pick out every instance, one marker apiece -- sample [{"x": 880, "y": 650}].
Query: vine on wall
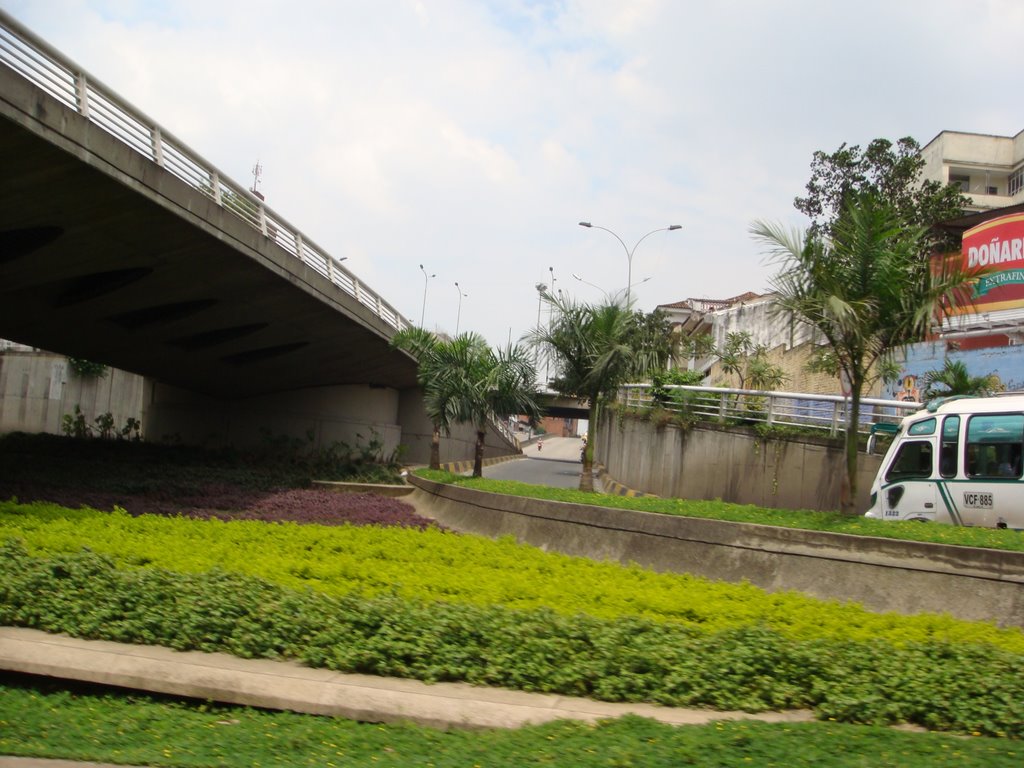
[{"x": 87, "y": 369}]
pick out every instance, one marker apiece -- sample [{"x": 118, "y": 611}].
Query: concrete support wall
[
  {"x": 323, "y": 416},
  {"x": 38, "y": 388},
  {"x": 417, "y": 432},
  {"x": 881, "y": 574},
  {"x": 705, "y": 463}
]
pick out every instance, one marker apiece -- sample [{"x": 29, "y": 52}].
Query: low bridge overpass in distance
[
  {"x": 119, "y": 245},
  {"x": 560, "y": 406}
]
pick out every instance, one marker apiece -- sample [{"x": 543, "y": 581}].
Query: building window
[
  {"x": 960, "y": 180},
  {"x": 1017, "y": 181}
]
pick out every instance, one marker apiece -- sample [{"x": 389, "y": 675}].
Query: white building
[{"x": 988, "y": 169}]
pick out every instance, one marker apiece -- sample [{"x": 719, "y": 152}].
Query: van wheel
[{"x": 918, "y": 520}]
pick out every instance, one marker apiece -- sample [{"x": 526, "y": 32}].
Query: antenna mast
[{"x": 257, "y": 176}]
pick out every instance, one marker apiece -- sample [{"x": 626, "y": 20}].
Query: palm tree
[
  {"x": 477, "y": 384},
  {"x": 868, "y": 289},
  {"x": 429, "y": 352},
  {"x": 591, "y": 350},
  {"x": 954, "y": 379},
  {"x": 465, "y": 381}
]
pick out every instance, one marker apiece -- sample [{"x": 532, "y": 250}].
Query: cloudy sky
[{"x": 471, "y": 136}]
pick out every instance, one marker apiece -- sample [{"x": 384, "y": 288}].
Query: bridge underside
[
  {"x": 562, "y": 407},
  {"x": 106, "y": 256}
]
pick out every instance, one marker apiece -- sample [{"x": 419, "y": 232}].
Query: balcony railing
[
  {"x": 827, "y": 413},
  {"x": 47, "y": 68}
]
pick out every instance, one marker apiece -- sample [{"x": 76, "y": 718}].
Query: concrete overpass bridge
[
  {"x": 563, "y": 407},
  {"x": 119, "y": 244}
]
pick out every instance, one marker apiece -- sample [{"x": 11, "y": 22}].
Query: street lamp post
[
  {"x": 426, "y": 279},
  {"x": 458, "y": 315},
  {"x": 630, "y": 251},
  {"x": 602, "y": 290},
  {"x": 541, "y": 290}
]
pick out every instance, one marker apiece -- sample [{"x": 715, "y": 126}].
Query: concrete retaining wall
[
  {"x": 323, "y": 416},
  {"x": 731, "y": 465},
  {"x": 38, "y": 388},
  {"x": 882, "y": 574},
  {"x": 460, "y": 445}
]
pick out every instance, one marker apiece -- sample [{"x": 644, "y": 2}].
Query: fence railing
[
  {"x": 827, "y": 413},
  {"x": 47, "y": 68}
]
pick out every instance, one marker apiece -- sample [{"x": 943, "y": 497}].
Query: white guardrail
[
  {"x": 47, "y": 68},
  {"x": 825, "y": 412}
]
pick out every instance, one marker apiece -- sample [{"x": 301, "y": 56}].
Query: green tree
[
  {"x": 891, "y": 172},
  {"x": 651, "y": 339},
  {"x": 592, "y": 349},
  {"x": 430, "y": 354},
  {"x": 478, "y": 384},
  {"x": 749, "y": 361},
  {"x": 867, "y": 289},
  {"x": 465, "y": 381},
  {"x": 954, "y": 379}
]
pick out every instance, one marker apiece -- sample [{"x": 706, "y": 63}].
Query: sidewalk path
[{"x": 291, "y": 686}]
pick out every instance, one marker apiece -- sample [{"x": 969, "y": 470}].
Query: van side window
[
  {"x": 926, "y": 427},
  {"x": 994, "y": 445},
  {"x": 948, "y": 450},
  {"x": 913, "y": 460}
]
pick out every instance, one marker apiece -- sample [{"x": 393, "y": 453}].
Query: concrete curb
[
  {"x": 881, "y": 574},
  {"x": 614, "y": 488},
  {"x": 287, "y": 685},
  {"x": 466, "y": 465}
]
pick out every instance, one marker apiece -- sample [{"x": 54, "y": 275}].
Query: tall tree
[
  {"x": 464, "y": 381},
  {"x": 478, "y": 384},
  {"x": 592, "y": 347},
  {"x": 867, "y": 289},
  {"x": 891, "y": 172},
  {"x": 427, "y": 349},
  {"x": 651, "y": 340}
]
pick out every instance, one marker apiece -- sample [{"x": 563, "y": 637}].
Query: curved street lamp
[
  {"x": 426, "y": 279},
  {"x": 541, "y": 290},
  {"x": 602, "y": 290},
  {"x": 630, "y": 251},
  {"x": 458, "y": 315}
]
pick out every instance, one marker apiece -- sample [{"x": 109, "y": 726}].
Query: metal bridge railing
[
  {"x": 827, "y": 413},
  {"x": 47, "y": 68}
]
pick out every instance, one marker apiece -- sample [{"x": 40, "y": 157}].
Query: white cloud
[{"x": 473, "y": 136}]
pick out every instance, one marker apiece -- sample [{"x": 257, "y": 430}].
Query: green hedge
[
  {"x": 943, "y": 686},
  {"x": 431, "y": 566}
]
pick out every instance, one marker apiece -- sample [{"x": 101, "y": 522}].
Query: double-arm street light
[
  {"x": 426, "y": 279},
  {"x": 602, "y": 290},
  {"x": 630, "y": 251},
  {"x": 458, "y": 315}
]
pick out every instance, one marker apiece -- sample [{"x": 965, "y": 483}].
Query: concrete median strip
[{"x": 290, "y": 686}]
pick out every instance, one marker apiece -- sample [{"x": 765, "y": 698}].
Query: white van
[{"x": 957, "y": 461}]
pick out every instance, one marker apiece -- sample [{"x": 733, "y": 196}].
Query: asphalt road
[{"x": 556, "y": 464}]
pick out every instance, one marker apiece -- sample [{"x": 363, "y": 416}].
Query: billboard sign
[{"x": 997, "y": 248}]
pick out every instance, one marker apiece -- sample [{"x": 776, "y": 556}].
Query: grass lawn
[
  {"x": 833, "y": 522},
  {"x": 51, "y": 719},
  {"x": 44, "y": 719}
]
